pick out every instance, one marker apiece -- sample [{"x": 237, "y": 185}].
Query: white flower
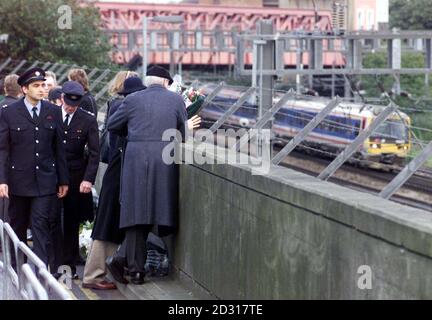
[{"x": 85, "y": 239}]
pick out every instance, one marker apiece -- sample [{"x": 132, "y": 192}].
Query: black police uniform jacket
[
  {"x": 32, "y": 155},
  {"x": 82, "y": 131}
]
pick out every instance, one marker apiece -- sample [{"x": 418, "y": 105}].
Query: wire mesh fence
[{"x": 397, "y": 141}]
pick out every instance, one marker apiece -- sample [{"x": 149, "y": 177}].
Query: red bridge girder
[{"x": 123, "y": 17}]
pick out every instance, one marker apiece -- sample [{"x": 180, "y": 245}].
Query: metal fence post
[
  {"x": 99, "y": 79},
  {"x": 4, "y": 64},
  {"x": 19, "y": 66},
  {"x": 264, "y": 119},
  {"x": 34, "y": 64},
  {"x": 231, "y": 110},
  {"x": 32, "y": 288},
  {"x": 213, "y": 94},
  {"x": 46, "y": 65},
  {"x": 406, "y": 172}
]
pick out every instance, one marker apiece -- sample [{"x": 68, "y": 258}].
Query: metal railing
[
  {"x": 346, "y": 153},
  {"x": 101, "y": 78},
  {"x": 25, "y": 275}
]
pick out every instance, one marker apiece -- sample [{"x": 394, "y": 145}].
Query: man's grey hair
[
  {"x": 52, "y": 75},
  {"x": 149, "y": 80}
]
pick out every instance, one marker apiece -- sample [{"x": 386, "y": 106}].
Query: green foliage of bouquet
[{"x": 194, "y": 101}]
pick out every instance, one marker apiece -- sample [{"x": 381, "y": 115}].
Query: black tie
[
  {"x": 66, "y": 121},
  {"x": 35, "y": 116}
]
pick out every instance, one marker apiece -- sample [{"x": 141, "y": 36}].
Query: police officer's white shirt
[
  {"x": 30, "y": 107},
  {"x": 64, "y": 113}
]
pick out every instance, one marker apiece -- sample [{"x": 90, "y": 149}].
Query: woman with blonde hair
[{"x": 88, "y": 102}]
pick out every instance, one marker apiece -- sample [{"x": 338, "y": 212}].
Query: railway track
[
  {"x": 409, "y": 201},
  {"x": 419, "y": 197},
  {"x": 416, "y": 192},
  {"x": 420, "y": 181}
]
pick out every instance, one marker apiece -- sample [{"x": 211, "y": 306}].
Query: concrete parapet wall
[{"x": 287, "y": 235}]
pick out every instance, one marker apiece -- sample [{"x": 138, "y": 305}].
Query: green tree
[
  {"x": 34, "y": 32},
  {"x": 420, "y": 111},
  {"x": 411, "y": 14}
]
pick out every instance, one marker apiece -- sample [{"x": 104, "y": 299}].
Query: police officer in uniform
[
  {"x": 33, "y": 171},
  {"x": 80, "y": 129}
]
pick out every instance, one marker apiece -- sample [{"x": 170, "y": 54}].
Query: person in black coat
[
  {"x": 106, "y": 234},
  {"x": 12, "y": 94},
  {"x": 33, "y": 169},
  {"x": 149, "y": 185},
  {"x": 80, "y": 130}
]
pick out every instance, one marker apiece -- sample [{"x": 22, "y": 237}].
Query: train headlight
[
  {"x": 405, "y": 147},
  {"x": 374, "y": 146},
  {"x": 244, "y": 122}
]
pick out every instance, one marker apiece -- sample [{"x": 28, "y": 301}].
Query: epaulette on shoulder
[
  {"x": 88, "y": 112},
  {"x": 4, "y": 106}
]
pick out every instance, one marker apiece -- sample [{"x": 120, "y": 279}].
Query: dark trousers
[
  {"x": 134, "y": 245},
  {"x": 42, "y": 213},
  {"x": 71, "y": 223}
]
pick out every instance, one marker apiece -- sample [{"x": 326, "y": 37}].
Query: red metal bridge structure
[{"x": 123, "y": 22}]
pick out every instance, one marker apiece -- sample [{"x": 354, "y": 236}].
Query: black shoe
[
  {"x": 116, "y": 270},
  {"x": 137, "y": 277}
]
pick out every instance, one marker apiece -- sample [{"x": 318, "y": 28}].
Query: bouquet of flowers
[
  {"x": 85, "y": 238},
  {"x": 193, "y": 100}
]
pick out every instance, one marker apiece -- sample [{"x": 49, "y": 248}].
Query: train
[{"x": 389, "y": 145}]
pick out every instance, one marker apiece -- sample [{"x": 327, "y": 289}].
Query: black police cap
[
  {"x": 73, "y": 92},
  {"x": 31, "y": 75},
  {"x": 55, "y": 93}
]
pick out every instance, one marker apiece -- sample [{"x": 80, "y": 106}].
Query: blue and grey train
[{"x": 390, "y": 143}]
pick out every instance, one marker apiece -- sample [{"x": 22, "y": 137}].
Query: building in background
[
  {"x": 347, "y": 15},
  {"x": 123, "y": 22}
]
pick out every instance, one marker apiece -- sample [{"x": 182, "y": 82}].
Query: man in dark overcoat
[
  {"x": 149, "y": 186},
  {"x": 33, "y": 171},
  {"x": 80, "y": 130}
]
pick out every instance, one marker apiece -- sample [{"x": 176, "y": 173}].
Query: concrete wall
[{"x": 289, "y": 236}]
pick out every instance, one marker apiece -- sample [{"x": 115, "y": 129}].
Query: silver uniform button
[
  {"x": 37, "y": 167},
  {"x": 37, "y": 129},
  {"x": 13, "y": 167},
  {"x": 37, "y": 141},
  {"x": 65, "y": 132},
  {"x": 37, "y": 154},
  {"x": 19, "y": 129},
  {"x": 64, "y": 141}
]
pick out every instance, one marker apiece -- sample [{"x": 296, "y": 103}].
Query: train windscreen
[{"x": 391, "y": 130}]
